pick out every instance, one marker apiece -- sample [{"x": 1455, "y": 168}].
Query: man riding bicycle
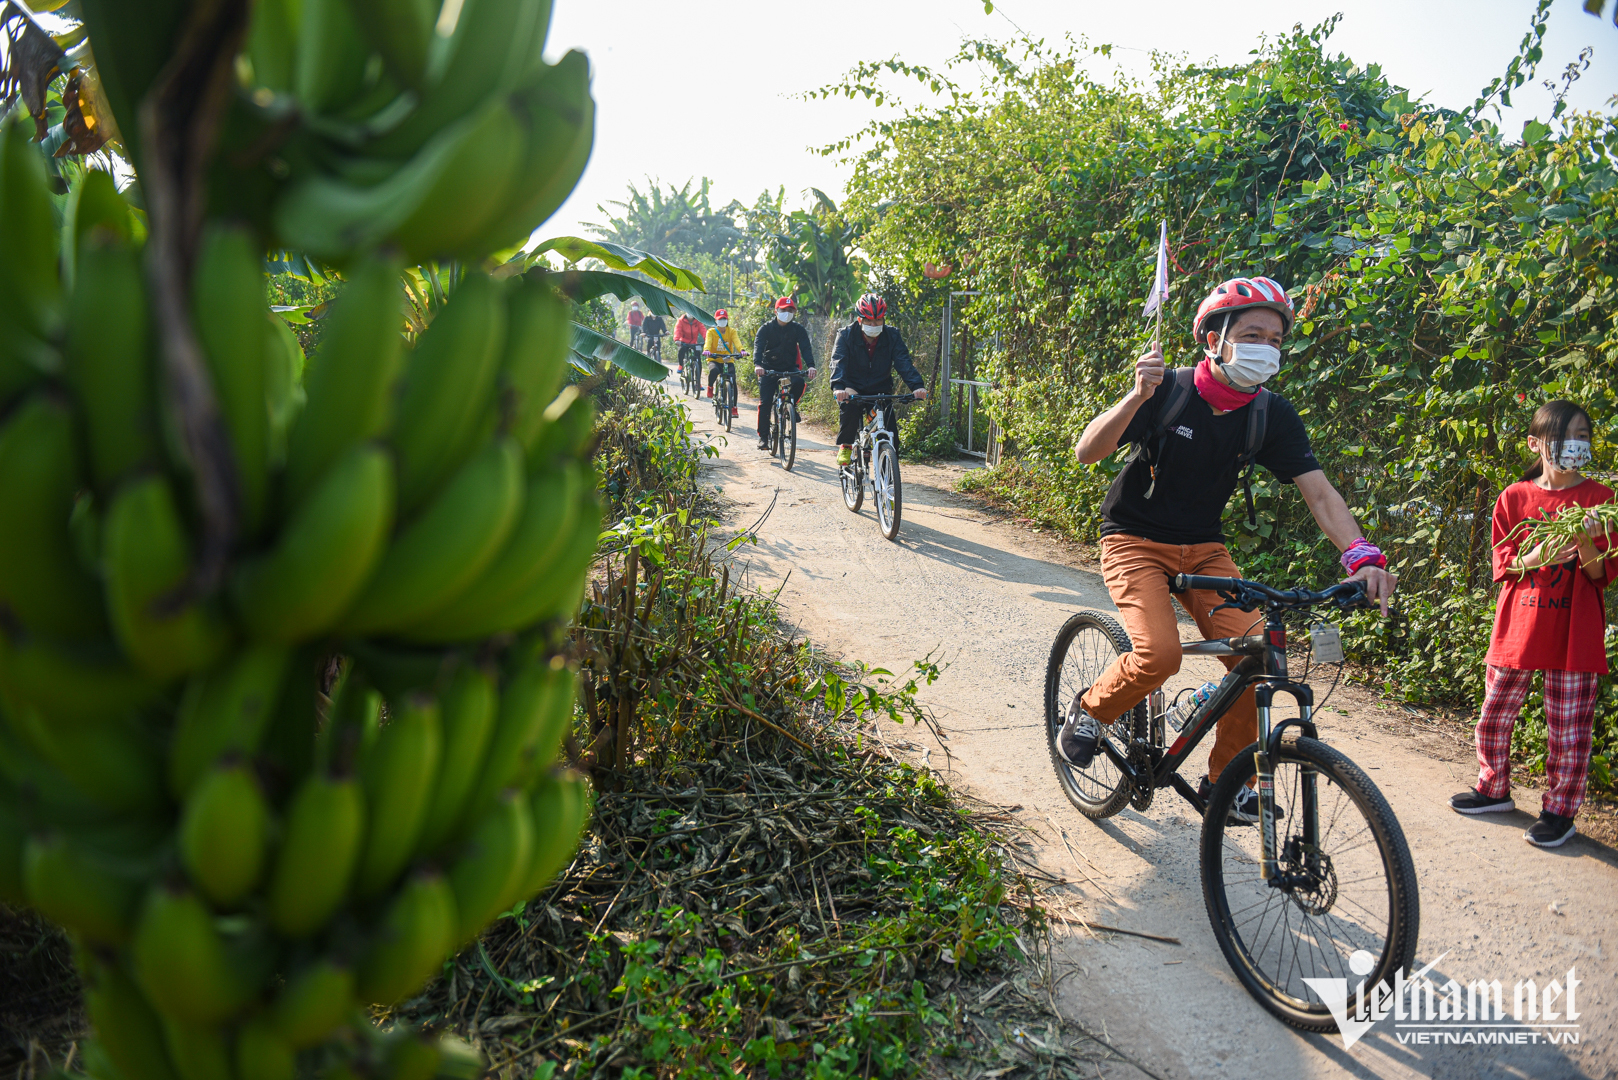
[
  {"x": 635, "y": 318},
  {"x": 688, "y": 336},
  {"x": 780, "y": 350},
  {"x": 719, "y": 343},
  {"x": 863, "y": 360},
  {"x": 1193, "y": 432}
]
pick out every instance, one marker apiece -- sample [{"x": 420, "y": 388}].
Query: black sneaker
[
  {"x": 1246, "y": 809},
  {"x": 1080, "y": 734},
  {"x": 1475, "y": 802},
  {"x": 1551, "y": 830},
  {"x": 764, "y": 444}
]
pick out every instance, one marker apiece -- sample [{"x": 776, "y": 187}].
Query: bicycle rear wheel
[
  {"x": 1087, "y": 643},
  {"x": 889, "y": 493},
  {"x": 1351, "y": 911},
  {"x": 853, "y": 481}
]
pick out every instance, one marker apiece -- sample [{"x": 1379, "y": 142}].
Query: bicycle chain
[{"x": 1140, "y": 799}]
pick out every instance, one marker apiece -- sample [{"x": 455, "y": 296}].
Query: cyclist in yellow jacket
[{"x": 720, "y": 345}]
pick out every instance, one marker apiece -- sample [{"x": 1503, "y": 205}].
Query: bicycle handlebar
[
  {"x": 1247, "y": 594},
  {"x": 881, "y": 398}
]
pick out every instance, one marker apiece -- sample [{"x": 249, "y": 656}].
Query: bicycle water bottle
[{"x": 1184, "y": 710}]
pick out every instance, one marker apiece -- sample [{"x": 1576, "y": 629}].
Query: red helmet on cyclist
[
  {"x": 1240, "y": 294},
  {"x": 721, "y": 314},
  {"x": 786, "y": 303},
  {"x": 871, "y": 306}
]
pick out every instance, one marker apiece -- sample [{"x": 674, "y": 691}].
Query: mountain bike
[
  {"x": 1326, "y": 876},
  {"x": 691, "y": 369},
  {"x": 876, "y": 457},
  {"x": 724, "y": 399},
  {"x": 654, "y": 347},
  {"x": 784, "y": 423}
]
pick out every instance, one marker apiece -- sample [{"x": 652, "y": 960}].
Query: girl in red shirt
[{"x": 1550, "y": 618}]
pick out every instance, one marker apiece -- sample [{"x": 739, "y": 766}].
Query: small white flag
[{"x": 1160, "y": 284}]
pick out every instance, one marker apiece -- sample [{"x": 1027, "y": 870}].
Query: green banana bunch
[
  {"x": 109, "y": 359},
  {"x": 225, "y": 711},
  {"x": 488, "y": 877},
  {"x": 534, "y": 712},
  {"x": 228, "y": 301},
  {"x": 468, "y": 714},
  {"x": 125, "y": 1023},
  {"x": 447, "y": 547},
  {"x": 314, "y": 1003},
  {"x": 551, "y": 511},
  {"x": 72, "y": 887},
  {"x": 436, "y": 204},
  {"x": 40, "y": 579},
  {"x": 448, "y": 380},
  {"x": 198, "y": 1051},
  {"x": 320, "y": 848},
  {"x": 416, "y": 932},
  {"x": 561, "y": 806},
  {"x": 350, "y": 382},
  {"x": 224, "y": 835},
  {"x": 326, "y": 552},
  {"x": 535, "y": 360},
  {"x": 262, "y": 1054},
  {"x": 147, "y": 559},
  {"x": 397, "y": 771},
  {"x": 183, "y": 964}
]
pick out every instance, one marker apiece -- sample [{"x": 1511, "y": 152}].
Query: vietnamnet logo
[{"x": 1428, "y": 1013}]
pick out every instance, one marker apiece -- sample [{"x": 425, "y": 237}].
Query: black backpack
[{"x": 1151, "y": 448}]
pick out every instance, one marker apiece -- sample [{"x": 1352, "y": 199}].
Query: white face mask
[
  {"x": 870, "y": 331},
  {"x": 721, "y": 323},
  {"x": 1575, "y": 454},
  {"x": 1252, "y": 363},
  {"x": 784, "y": 316}
]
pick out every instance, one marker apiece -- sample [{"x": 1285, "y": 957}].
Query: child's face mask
[{"x": 1575, "y": 454}]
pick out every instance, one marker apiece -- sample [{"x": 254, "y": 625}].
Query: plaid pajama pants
[{"x": 1570, "y": 708}]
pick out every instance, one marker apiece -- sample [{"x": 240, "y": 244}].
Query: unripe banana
[
  {"x": 398, "y": 773},
  {"x": 74, "y": 888},
  {"x": 32, "y": 289},
  {"x": 40, "y": 579},
  {"x": 228, "y": 303},
  {"x": 531, "y": 556},
  {"x": 69, "y": 686},
  {"x": 447, "y": 547},
  {"x": 283, "y": 384},
  {"x": 350, "y": 381},
  {"x": 448, "y": 380},
  {"x": 566, "y": 431},
  {"x": 535, "y": 359},
  {"x": 468, "y": 712},
  {"x": 43, "y": 796},
  {"x": 431, "y": 206},
  {"x": 412, "y": 1058},
  {"x": 561, "y": 118},
  {"x": 535, "y": 709},
  {"x": 182, "y": 963},
  {"x": 224, "y": 833},
  {"x": 401, "y": 31},
  {"x": 93, "y": 203},
  {"x": 109, "y": 360},
  {"x": 325, "y": 826},
  {"x": 125, "y": 1023},
  {"x": 415, "y": 934},
  {"x": 147, "y": 558},
  {"x": 324, "y": 556},
  {"x": 316, "y": 1001},
  {"x": 198, "y": 1051},
  {"x": 458, "y": 1060},
  {"x": 262, "y": 1054},
  {"x": 225, "y": 711},
  {"x": 114, "y": 762},
  {"x": 561, "y": 806},
  {"x": 12, "y": 841},
  {"x": 272, "y": 43},
  {"x": 329, "y": 70},
  {"x": 493, "y": 869}
]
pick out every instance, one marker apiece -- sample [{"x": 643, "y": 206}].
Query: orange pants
[{"x": 1137, "y": 574}]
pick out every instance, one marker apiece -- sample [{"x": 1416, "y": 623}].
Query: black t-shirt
[
  {"x": 654, "y": 326},
  {"x": 1198, "y": 472}
]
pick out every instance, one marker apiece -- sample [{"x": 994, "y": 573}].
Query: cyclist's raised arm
[{"x": 1106, "y": 431}]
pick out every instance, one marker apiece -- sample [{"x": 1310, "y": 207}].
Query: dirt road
[{"x": 988, "y": 597}]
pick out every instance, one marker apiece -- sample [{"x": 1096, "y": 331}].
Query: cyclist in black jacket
[
  {"x": 780, "y": 350},
  {"x": 862, "y": 362}
]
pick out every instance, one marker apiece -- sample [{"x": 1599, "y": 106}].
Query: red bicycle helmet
[
  {"x": 871, "y": 306},
  {"x": 786, "y": 303},
  {"x": 1238, "y": 294},
  {"x": 721, "y": 314}
]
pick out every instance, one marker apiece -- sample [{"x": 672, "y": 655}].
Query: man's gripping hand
[
  {"x": 1148, "y": 374},
  {"x": 1379, "y": 584}
]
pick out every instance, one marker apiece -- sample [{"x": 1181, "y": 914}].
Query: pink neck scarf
[{"x": 1220, "y": 395}]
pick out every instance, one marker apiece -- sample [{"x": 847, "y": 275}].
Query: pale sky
[{"x": 705, "y": 87}]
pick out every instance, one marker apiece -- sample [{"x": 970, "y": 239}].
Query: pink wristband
[{"x": 1363, "y": 553}]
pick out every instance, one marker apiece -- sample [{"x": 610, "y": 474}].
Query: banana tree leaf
[
  {"x": 584, "y": 285},
  {"x": 589, "y": 345},
  {"x": 296, "y": 264},
  {"x": 576, "y": 249}
]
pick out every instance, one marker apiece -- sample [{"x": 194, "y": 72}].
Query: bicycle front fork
[{"x": 1264, "y": 767}]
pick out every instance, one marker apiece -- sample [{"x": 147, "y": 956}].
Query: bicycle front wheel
[
  {"x": 889, "y": 494},
  {"x": 789, "y": 446},
  {"x": 1085, "y": 646},
  {"x": 728, "y": 409},
  {"x": 1347, "y": 906}
]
